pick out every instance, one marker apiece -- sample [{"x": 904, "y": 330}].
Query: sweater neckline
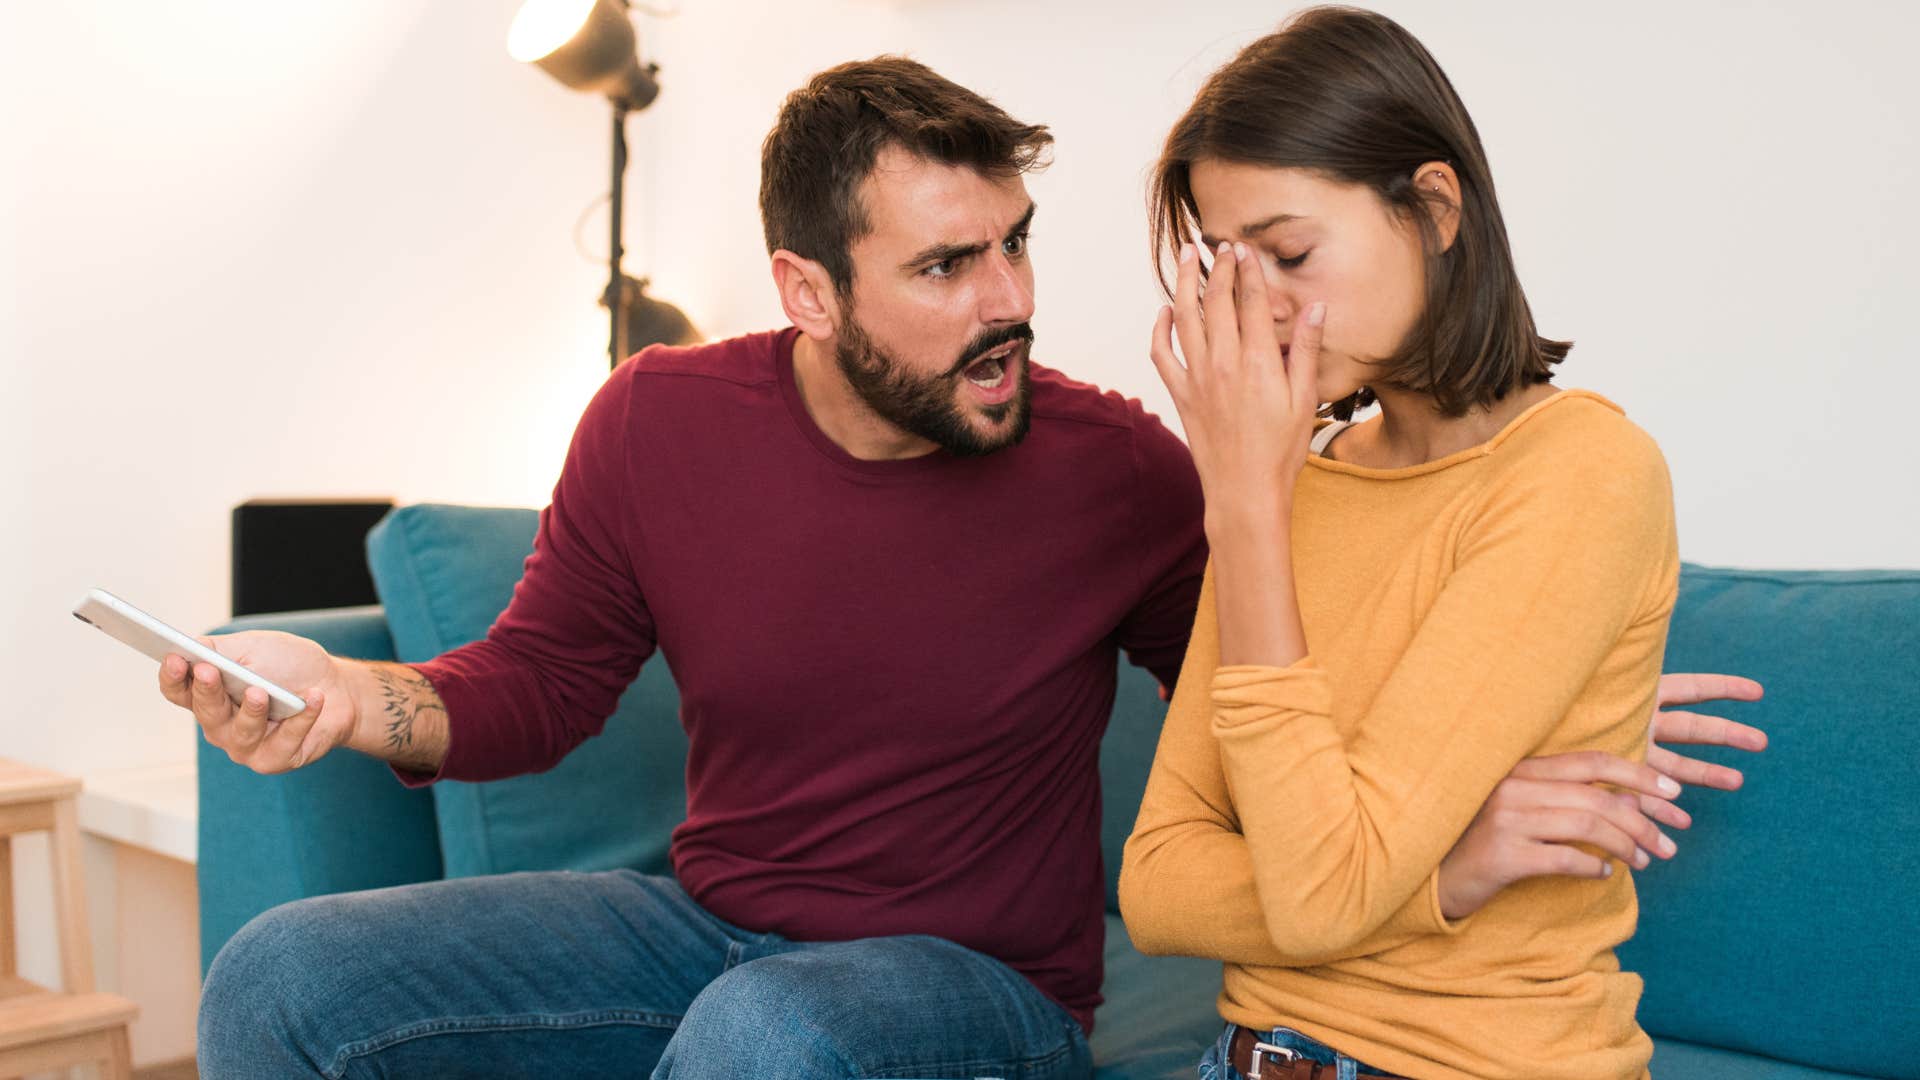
[
  {"x": 1460, "y": 457},
  {"x": 899, "y": 468}
]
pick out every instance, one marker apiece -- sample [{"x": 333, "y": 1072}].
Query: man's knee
[
  {"x": 252, "y": 960},
  {"x": 250, "y": 1003},
  {"x": 774, "y": 1011}
]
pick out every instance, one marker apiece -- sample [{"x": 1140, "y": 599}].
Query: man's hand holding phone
[{"x": 245, "y": 732}]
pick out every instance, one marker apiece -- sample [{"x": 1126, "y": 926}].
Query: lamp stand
[{"x": 616, "y": 306}]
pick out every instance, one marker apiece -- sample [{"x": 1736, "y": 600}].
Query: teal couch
[{"x": 1781, "y": 940}]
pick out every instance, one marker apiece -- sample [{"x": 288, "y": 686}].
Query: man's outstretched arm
[{"x": 384, "y": 710}]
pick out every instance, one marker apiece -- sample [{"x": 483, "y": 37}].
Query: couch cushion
[
  {"x": 1673, "y": 1058},
  {"x": 444, "y": 573},
  {"x": 1786, "y": 925},
  {"x": 1126, "y": 754},
  {"x": 1159, "y": 1014}
]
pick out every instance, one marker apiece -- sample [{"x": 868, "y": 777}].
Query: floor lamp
[{"x": 590, "y": 45}]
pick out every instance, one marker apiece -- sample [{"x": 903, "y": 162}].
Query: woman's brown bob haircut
[
  {"x": 1350, "y": 95},
  {"x": 831, "y": 131}
]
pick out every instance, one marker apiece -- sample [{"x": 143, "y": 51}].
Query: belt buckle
[{"x": 1262, "y": 1048}]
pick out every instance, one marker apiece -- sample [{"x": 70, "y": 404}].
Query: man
[{"x": 890, "y": 560}]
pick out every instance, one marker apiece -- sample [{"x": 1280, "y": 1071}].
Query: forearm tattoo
[{"x": 405, "y": 695}]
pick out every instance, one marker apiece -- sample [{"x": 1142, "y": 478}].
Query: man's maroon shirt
[{"x": 894, "y": 675}]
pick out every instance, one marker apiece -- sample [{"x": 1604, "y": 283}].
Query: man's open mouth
[{"x": 991, "y": 369}]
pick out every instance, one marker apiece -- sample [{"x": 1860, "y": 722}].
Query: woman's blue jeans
[{"x": 604, "y": 975}]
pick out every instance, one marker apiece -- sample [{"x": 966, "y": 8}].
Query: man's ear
[
  {"x": 1439, "y": 189},
  {"x": 807, "y": 295}
]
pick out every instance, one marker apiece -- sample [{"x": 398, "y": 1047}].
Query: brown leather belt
[{"x": 1277, "y": 1066}]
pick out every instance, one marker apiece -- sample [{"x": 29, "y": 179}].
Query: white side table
[{"x": 142, "y": 838}]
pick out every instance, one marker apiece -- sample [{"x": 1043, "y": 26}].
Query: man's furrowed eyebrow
[
  {"x": 1026, "y": 221},
  {"x": 939, "y": 253},
  {"x": 1253, "y": 228}
]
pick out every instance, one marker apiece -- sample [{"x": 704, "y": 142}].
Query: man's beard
[{"x": 926, "y": 405}]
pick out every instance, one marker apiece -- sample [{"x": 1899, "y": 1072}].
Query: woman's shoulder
[
  {"x": 1576, "y": 456},
  {"x": 1576, "y": 429}
]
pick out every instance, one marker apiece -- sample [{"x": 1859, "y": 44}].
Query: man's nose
[{"x": 1007, "y": 294}]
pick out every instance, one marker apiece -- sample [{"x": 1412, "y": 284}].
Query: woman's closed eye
[{"x": 1289, "y": 262}]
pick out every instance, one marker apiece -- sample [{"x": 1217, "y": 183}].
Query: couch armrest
[{"x": 340, "y": 824}]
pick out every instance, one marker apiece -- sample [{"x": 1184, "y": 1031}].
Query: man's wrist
[
  {"x": 399, "y": 717},
  {"x": 351, "y": 676}
]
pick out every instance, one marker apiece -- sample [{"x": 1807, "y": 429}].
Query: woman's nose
[
  {"x": 1282, "y": 303},
  {"x": 1279, "y": 297}
]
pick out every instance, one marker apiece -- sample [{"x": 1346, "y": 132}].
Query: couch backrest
[
  {"x": 1786, "y": 925},
  {"x": 444, "y": 573}
]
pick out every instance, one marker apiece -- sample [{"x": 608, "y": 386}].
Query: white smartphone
[{"x": 156, "y": 639}]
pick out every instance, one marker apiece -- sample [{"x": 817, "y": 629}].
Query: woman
[{"x": 1399, "y": 610}]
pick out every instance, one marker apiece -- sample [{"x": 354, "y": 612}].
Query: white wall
[
  {"x": 284, "y": 249},
  {"x": 260, "y": 250},
  {"x": 264, "y": 250}
]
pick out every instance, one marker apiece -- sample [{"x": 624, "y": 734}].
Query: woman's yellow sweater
[{"x": 1504, "y": 602}]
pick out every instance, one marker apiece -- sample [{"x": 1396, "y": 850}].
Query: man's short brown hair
[{"x": 831, "y": 131}]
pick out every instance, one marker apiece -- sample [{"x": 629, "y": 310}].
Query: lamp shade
[
  {"x": 586, "y": 45},
  {"x": 650, "y": 321}
]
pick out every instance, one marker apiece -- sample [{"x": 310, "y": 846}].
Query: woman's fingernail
[
  {"x": 1186, "y": 253},
  {"x": 1226, "y": 247},
  {"x": 1606, "y": 870},
  {"x": 1669, "y": 787},
  {"x": 1667, "y": 846},
  {"x": 1640, "y": 859},
  {"x": 1240, "y": 252},
  {"x": 1316, "y": 315}
]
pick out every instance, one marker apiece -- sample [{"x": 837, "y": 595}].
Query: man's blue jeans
[{"x": 601, "y": 975}]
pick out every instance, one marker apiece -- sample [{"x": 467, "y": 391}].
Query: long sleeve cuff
[{"x": 1248, "y": 694}]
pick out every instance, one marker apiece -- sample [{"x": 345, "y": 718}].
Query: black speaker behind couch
[{"x": 291, "y": 555}]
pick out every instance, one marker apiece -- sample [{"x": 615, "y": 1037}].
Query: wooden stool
[{"x": 40, "y": 1028}]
